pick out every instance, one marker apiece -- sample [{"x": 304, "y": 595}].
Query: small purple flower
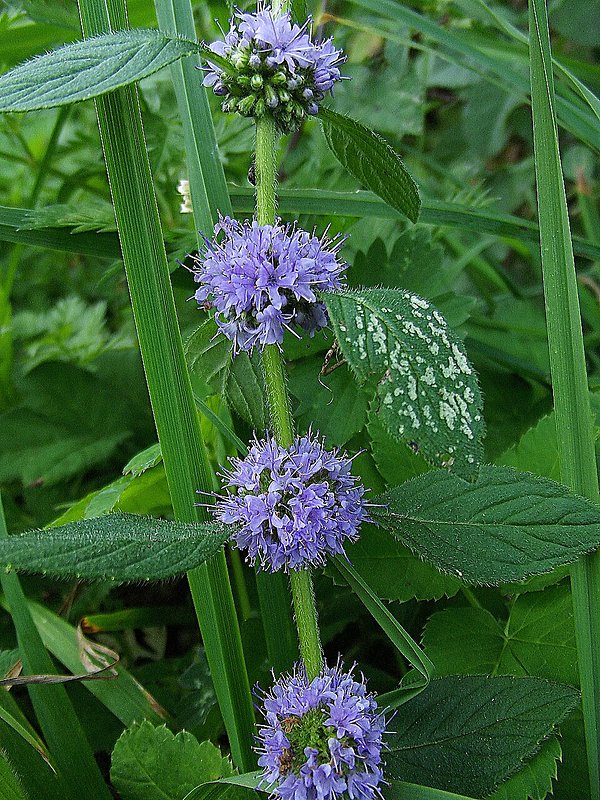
[
  {"x": 322, "y": 739},
  {"x": 294, "y": 506},
  {"x": 274, "y": 62},
  {"x": 262, "y": 279}
]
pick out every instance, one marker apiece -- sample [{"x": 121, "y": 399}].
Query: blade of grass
[
  {"x": 433, "y": 212},
  {"x": 567, "y": 363},
  {"x": 177, "y": 423},
  {"x": 209, "y": 198},
  {"x": 205, "y": 172},
  {"x": 68, "y": 745}
]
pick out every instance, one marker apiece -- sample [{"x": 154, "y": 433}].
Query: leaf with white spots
[{"x": 427, "y": 391}]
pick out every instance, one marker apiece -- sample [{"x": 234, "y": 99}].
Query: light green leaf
[
  {"x": 427, "y": 389},
  {"x": 89, "y": 68},
  {"x": 151, "y": 763},
  {"x": 372, "y": 161},
  {"x": 119, "y": 547},
  {"x": 534, "y": 781},
  {"x": 469, "y": 734},
  {"x": 10, "y": 785},
  {"x": 504, "y": 527}
]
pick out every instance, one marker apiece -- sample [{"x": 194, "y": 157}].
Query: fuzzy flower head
[
  {"x": 293, "y": 506},
  {"x": 262, "y": 279},
  {"x": 273, "y": 66},
  {"x": 322, "y": 739}
]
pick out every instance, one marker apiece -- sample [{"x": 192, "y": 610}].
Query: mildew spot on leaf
[{"x": 427, "y": 390}]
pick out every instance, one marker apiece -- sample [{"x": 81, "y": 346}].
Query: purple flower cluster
[
  {"x": 273, "y": 67},
  {"x": 322, "y": 738},
  {"x": 262, "y": 279},
  {"x": 294, "y": 505}
]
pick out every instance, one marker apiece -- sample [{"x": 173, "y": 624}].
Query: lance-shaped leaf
[
  {"x": 372, "y": 161},
  {"x": 468, "y": 734},
  {"x": 89, "y": 68},
  {"x": 427, "y": 390},
  {"x": 506, "y": 526},
  {"x": 119, "y": 547}
]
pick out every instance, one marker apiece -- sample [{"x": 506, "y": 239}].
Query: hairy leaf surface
[
  {"x": 469, "y": 734},
  {"x": 504, "y": 527},
  {"x": 89, "y": 68},
  {"x": 372, "y": 161},
  {"x": 119, "y": 547}
]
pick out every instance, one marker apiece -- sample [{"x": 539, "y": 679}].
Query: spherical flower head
[
  {"x": 322, "y": 739},
  {"x": 274, "y": 67},
  {"x": 262, "y": 279},
  {"x": 292, "y": 506}
]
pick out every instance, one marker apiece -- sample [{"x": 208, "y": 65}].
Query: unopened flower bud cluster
[{"x": 274, "y": 68}]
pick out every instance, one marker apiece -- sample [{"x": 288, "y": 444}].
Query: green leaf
[
  {"x": 372, "y": 161},
  {"x": 504, "y": 527},
  {"x": 151, "y": 763},
  {"x": 469, "y": 734},
  {"x": 209, "y": 358},
  {"x": 534, "y": 780},
  {"x": 10, "y": 785},
  {"x": 538, "y": 639},
  {"x": 427, "y": 389},
  {"x": 393, "y": 572},
  {"x": 536, "y": 451},
  {"x": 119, "y": 547},
  {"x": 89, "y": 68},
  {"x": 70, "y": 420}
]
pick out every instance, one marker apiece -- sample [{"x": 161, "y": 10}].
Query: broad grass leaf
[
  {"x": 89, "y": 68},
  {"x": 151, "y": 763},
  {"x": 504, "y": 527},
  {"x": 468, "y": 734},
  {"x": 372, "y": 161},
  {"x": 119, "y": 547},
  {"x": 427, "y": 390}
]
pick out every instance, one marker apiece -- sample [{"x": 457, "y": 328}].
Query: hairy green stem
[
  {"x": 278, "y": 400},
  {"x": 177, "y": 423},
  {"x": 574, "y": 424}
]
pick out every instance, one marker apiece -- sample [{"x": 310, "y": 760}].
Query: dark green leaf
[
  {"x": 534, "y": 780},
  {"x": 427, "y": 389},
  {"x": 70, "y": 420},
  {"x": 119, "y": 547},
  {"x": 469, "y": 734},
  {"x": 538, "y": 639},
  {"x": 151, "y": 763},
  {"x": 372, "y": 161},
  {"x": 504, "y": 527},
  {"x": 209, "y": 357},
  {"x": 88, "y": 68}
]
